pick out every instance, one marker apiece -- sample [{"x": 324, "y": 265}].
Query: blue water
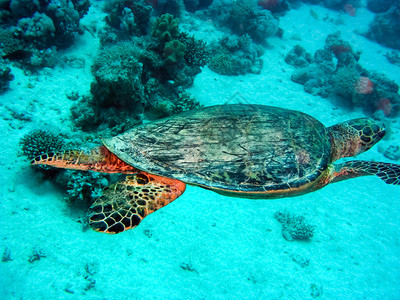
[{"x": 203, "y": 245}]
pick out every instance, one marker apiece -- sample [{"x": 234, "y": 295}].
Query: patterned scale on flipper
[{"x": 126, "y": 203}]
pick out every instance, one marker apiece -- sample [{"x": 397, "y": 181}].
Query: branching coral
[
  {"x": 196, "y": 52},
  {"x": 38, "y": 142}
]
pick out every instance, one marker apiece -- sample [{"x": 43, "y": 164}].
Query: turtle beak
[{"x": 382, "y": 132}]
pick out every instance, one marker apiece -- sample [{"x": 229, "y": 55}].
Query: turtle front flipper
[
  {"x": 389, "y": 173},
  {"x": 125, "y": 203}
]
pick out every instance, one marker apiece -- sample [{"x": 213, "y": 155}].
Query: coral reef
[
  {"x": 194, "y": 5},
  {"x": 118, "y": 78},
  {"x": 294, "y": 227},
  {"x": 336, "y": 4},
  {"x": 39, "y": 30},
  {"x": 197, "y": 53},
  {"x": 174, "y": 51},
  {"x": 225, "y": 64},
  {"x": 117, "y": 92},
  {"x": 32, "y": 27},
  {"x": 166, "y": 28},
  {"x": 173, "y": 7},
  {"x": 83, "y": 188},
  {"x": 341, "y": 49},
  {"x": 379, "y": 6},
  {"x": 274, "y": 6},
  {"x": 126, "y": 18},
  {"x": 344, "y": 82},
  {"x": 53, "y": 23},
  {"x": 186, "y": 102},
  {"x": 146, "y": 73},
  {"x": 344, "y": 77},
  {"x": 164, "y": 107},
  {"x": 236, "y": 55},
  {"x": 243, "y": 17},
  {"x": 261, "y": 26},
  {"x": 89, "y": 116},
  {"x": 143, "y": 75},
  {"x": 10, "y": 46},
  {"x": 393, "y": 57},
  {"x": 38, "y": 142},
  {"x": 385, "y": 28},
  {"x": 298, "y": 57},
  {"x": 5, "y": 76}
]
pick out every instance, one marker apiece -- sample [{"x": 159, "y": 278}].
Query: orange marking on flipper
[{"x": 99, "y": 160}]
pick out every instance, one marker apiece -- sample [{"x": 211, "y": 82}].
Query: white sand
[{"x": 204, "y": 245}]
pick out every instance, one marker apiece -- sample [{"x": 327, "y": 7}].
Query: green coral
[
  {"x": 174, "y": 51},
  {"x": 38, "y": 142},
  {"x": 166, "y": 28}
]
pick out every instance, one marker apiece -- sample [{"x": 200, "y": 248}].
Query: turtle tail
[
  {"x": 98, "y": 159},
  {"x": 389, "y": 173}
]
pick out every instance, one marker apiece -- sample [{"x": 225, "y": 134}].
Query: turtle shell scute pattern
[{"x": 238, "y": 147}]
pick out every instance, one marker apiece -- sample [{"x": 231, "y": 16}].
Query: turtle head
[{"x": 354, "y": 137}]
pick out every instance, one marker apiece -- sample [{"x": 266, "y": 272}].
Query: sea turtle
[{"x": 241, "y": 150}]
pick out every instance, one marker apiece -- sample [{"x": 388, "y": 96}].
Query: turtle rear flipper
[
  {"x": 125, "y": 203},
  {"x": 389, "y": 173}
]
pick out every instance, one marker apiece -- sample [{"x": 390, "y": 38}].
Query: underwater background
[{"x": 72, "y": 71}]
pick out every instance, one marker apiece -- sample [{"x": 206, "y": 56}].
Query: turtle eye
[{"x": 381, "y": 133}]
